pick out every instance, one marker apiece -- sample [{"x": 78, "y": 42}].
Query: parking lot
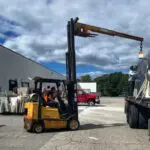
[{"x": 102, "y": 127}]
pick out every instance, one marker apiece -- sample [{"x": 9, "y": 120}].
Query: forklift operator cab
[{"x": 39, "y": 117}]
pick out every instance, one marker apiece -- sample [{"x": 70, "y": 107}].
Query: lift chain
[{"x": 141, "y": 46}]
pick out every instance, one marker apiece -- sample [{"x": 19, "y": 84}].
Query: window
[
  {"x": 25, "y": 84},
  {"x": 13, "y": 84}
]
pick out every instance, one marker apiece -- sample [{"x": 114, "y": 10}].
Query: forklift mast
[
  {"x": 71, "y": 68},
  {"x": 74, "y": 28}
]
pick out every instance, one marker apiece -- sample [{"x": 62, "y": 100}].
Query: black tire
[
  {"x": 126, "y": 106},
  {"x": 126, "y": 111},
  {"x": 73, "y": 124},
  {"x": 27, "y": 128},
  {"x": 127, "y": 117},
  {"x": 91, "y": 102},
  {"x": 38, "y": 128},
  {"x": 133, "y": 116},
  {"x": 143, "y": 119},
  {"x": 149, "y": 126}
]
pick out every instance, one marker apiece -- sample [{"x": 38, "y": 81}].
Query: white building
[{"x": 92, "y": 86}]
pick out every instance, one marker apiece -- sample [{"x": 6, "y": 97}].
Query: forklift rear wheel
[
  {"x": 38, "y": 128},
  {"x": 27, "y": 127},
  {"x": 73, "y": 124},
  {"x": 91, "y": 103}
]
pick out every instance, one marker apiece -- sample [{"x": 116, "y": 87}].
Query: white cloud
[{"x": 41, "y": 26}]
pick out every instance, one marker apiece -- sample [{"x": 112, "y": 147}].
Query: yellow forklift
[{"x": 38, "y": 117}]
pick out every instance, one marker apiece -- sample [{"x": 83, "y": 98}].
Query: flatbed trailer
[{"x": 138, "y": 113}]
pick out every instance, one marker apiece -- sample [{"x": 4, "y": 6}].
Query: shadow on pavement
[
  {"x": 2, "y": 125},
  {"x": 87, "y": 127},
  {"x": 55, "y": 130},
  {"x": 94, "y": 126}
]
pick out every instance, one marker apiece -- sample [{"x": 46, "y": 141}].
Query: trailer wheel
[
  {"x": 149, "y": 126},
  {"x": 127, "y": 117},
  {"x": 126, "y": 111},
  {"x": 133, "y": 116},
  {"x": 143, "y": 120}
]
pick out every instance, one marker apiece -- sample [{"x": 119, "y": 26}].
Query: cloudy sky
[{"x": 37, "y": 29}]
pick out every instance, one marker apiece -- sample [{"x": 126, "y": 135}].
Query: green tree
[
  {"x": 86, "y": 78},
  {"x": 113, "y": 84}
]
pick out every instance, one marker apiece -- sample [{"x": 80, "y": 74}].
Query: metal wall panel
[{"x": 15, "y": 66}]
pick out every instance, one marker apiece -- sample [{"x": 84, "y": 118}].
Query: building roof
[{"x": 61, "y": 75}]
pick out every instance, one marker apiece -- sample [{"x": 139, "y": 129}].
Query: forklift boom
[{"x": 86, "y": 30}]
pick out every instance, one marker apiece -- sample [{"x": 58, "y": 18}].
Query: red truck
[{"x": 87, "y": 97}]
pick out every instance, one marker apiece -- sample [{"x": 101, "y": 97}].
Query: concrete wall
[{"x": 15, "y": 66}]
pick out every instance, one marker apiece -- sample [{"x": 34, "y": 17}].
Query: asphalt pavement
[
  {"x": 103, "y": 127},
  {"x": 14, "y": 137}
]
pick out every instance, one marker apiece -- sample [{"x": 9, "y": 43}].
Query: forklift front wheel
[
  {"x": 73, "y": 124},
  {"x": 38, "y": 128}
]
